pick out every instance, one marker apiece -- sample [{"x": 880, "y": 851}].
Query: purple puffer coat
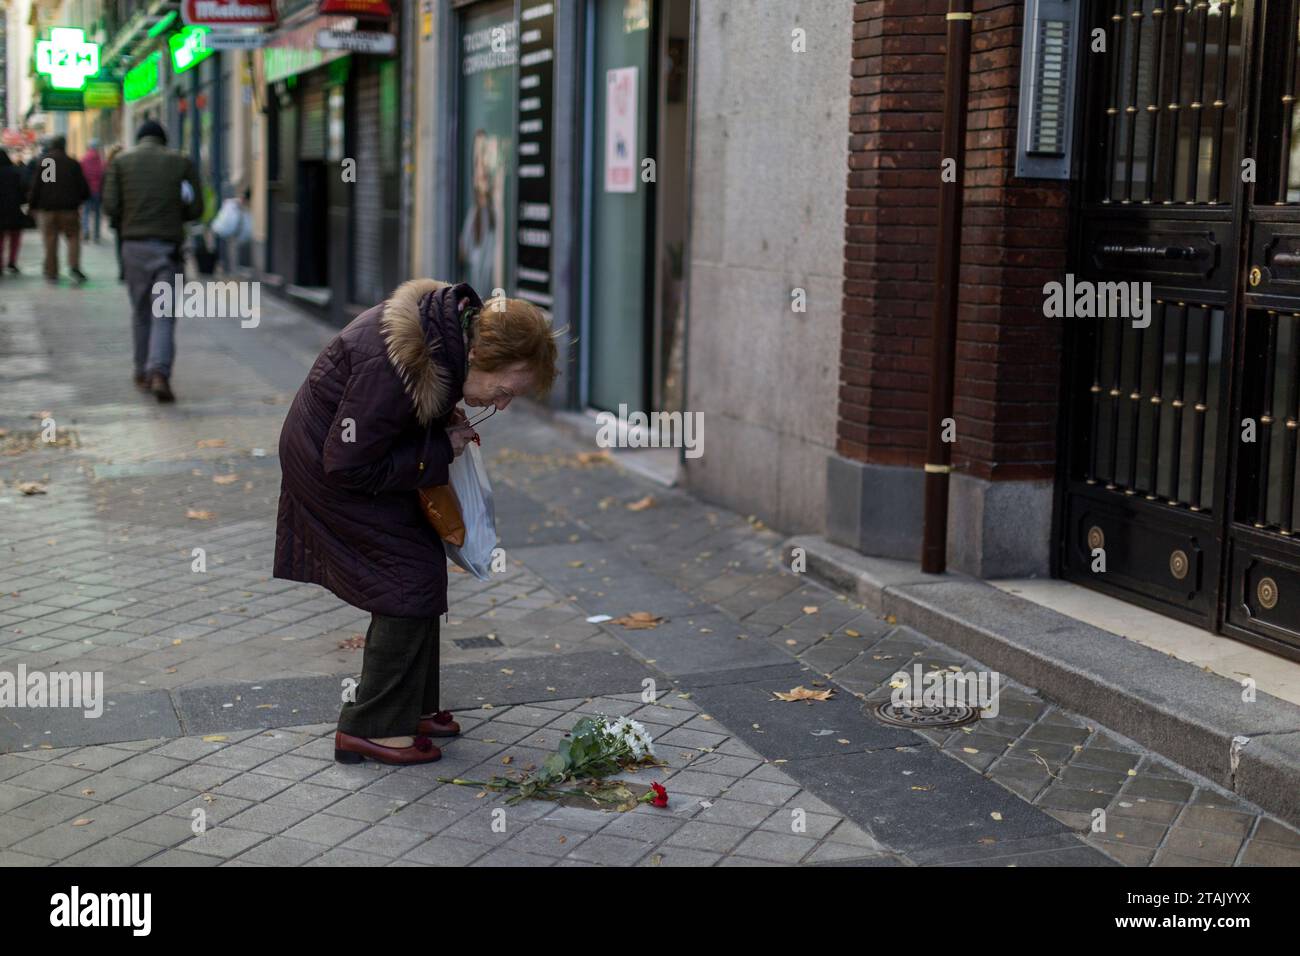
[{"x": 349, "y": 517}]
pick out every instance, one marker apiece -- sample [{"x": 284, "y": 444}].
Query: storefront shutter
[
  {"x": 368, "y": 208},
  {"x": 314, "y": 118}
]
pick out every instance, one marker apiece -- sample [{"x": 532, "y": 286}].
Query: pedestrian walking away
[
  {"x": 92, "y": 165},
  {"x": 376, "y": 420},
  {"x": 150, "y": 192},
  {"x": 58, "y": 188},
  {"x": 13, "y": 220}
]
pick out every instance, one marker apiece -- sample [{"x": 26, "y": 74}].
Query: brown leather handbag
[{"x": 442, "y": 508}]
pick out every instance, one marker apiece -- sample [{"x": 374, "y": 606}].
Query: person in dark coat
[
  {"x": 12, "y": 218},
  {"x": 57, "y": 191},
  {"x": 377, "y": 419}
]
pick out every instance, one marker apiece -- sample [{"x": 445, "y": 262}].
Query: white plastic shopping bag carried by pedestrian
[
  {"x": 469, "y": 480},
  {"x": 227, "y": 222}
]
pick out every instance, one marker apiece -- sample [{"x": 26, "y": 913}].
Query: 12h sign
[{"x": 67, "y": 59}]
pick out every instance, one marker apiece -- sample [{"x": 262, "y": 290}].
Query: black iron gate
[{"x": 1181, "y": 425}]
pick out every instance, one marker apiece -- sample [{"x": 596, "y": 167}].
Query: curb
[{"x": 1194, "y": 718}]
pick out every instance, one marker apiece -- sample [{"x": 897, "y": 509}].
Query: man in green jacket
[{"x": 151, "y": 192}]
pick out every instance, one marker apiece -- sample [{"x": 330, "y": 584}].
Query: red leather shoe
[
  {"x": 350, "y": 749},
  {"x": 439, "y": 725}
]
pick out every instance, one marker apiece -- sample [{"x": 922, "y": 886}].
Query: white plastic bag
[
  {"x": 469, "y": 480},
  {"x": 227, "y": 222}
]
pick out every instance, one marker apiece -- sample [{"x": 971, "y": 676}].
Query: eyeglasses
[{"x": 483, "y": 418}]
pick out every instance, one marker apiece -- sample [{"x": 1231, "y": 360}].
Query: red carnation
[{"x": 660, "y": 798}]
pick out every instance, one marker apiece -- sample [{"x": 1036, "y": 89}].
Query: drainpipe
[{"x": 943, "y": 329}]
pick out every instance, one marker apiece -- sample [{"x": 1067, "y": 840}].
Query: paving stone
[
  {"x": 1218, "y": 821},
  {"x": 222, "y": 841},
  {"x": 115, "y": 851},
  {"x": 325, "y": 829},
  {"x": 1260, "y": 853},
  {"x": 714, "y": 837},
  {"x": 51, "y": 808},
  {"x": 1155, "y": 788},
  {"x": 1125, "y": 854},
  {"x": 1274, "y": 831},
  {"x": 1203, "y": 844},
  {"x": 385, "y": 840},
  {"x": 1156, "y": 811},
  {"x": 268, "y": 818},
  {"x": 445, "y": 851},
  {"x": 281, "y": 851},
  {"x": 1131, "y": 832},
  {"x": 678, "y": 856},
  {"x": 736, "y": 813},
  {"x": 504, "y": 856},
  {"x": 160, "y": 831},
  {"x": 651, "y": 824},
  {"x": 182, "y": 858},
  {"x": 610, "y": 850}
]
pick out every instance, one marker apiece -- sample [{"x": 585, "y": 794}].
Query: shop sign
[
  {"x": 228, "y": 13},
  {"x": 62, "y": 101},
  {"x": 142, "y": 79},
  {"x": 369, "y": 9},
  {"x": 188, "y": 48},
  {"x": 357, "y": 41},
  {"x": 102, "y": 95},
  {"x": 67, "y": 59},
  {"x": 292, "y": 51},
  {"x": 234, "y": 40}
]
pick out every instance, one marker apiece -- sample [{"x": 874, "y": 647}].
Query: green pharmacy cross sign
[
  {"x": 188, "y": 48},
  {"x": 67, "y": 59}
]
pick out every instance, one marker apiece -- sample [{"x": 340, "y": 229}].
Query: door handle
[{"x": 1150, "y": 252}]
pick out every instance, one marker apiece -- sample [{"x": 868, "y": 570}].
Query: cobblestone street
[{"x": 223, "y": 685}]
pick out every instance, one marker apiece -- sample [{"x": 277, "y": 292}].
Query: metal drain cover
[
  {"x": 923, "y": 718},
  {"x": 473, "y": 643}
]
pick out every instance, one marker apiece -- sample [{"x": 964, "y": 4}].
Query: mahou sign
[{"x": 228, "y": 13}]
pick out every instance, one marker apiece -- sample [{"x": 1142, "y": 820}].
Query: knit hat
[{"x": 150, "y": 128}]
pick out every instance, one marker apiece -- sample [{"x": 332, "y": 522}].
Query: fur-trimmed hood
[{"x": 415, "y": 327}]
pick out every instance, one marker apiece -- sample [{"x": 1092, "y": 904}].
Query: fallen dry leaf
[
  {"x": 31, "y": 487},
  {"x": 642, "y": 504},
  {"x": 810, "y": 609},
  {"x": 199, "y": 515},
  {"x": 802, "y": 693},
  {"x": 225, "y": 479},
  {"x": 210, "y": 443},
  {"x": 215, "y": 738},
  {"x": 81, "y": 822},
  {"x": 638, "y": 621}
]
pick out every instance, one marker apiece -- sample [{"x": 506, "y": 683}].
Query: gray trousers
[
  {"x": 146, "y": 262},
  {"x": 399, "y": 678}
]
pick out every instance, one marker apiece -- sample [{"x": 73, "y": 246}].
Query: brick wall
[{"x": 1013, "y": 240}]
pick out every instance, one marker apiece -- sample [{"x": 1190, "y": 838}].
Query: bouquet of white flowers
[{"x": 596, "y": 748}]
